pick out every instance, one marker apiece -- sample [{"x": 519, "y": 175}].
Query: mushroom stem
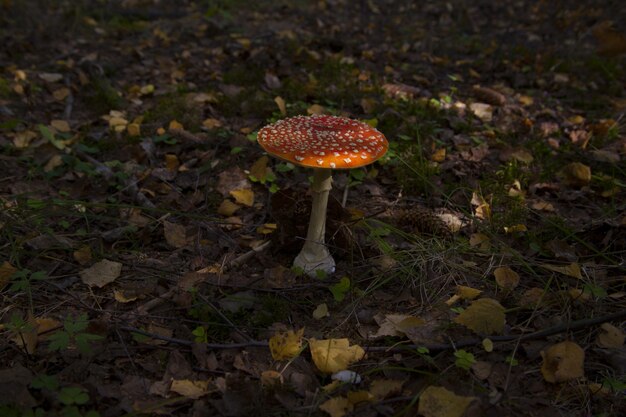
[{"x": 314, "y": 255}]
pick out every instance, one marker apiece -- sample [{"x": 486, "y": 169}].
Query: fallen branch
[
  {"x": 250, "y": 343},
  {"x": 241, "y": 259}
]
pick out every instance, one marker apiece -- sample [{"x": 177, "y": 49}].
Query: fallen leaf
[
  {"x": 101, "y": 273},
  {"x": 36, "y": 328},
  {"x": 439, "y": 402},
  {"x": 258, "y": 170},
  {"x": 315, "y": 109},
  {"x": 134, "y": 129},
  {"x": 334, "y": 355},
  {"x": 190, "y": 389},
  {"x": 382, "y": 388},
  {"x": 506, "y": 277},
  {"x": 211, "y": 123},
  {"x": 467, "y": 293},
  {"x": 516, "y": 228},
  {"x": 227, "y": 208},
  {"x": 321, "y": 311},
  {"x": 483, "y": 316},
  {"x": 572, "y": 270},
  {"x": 280, "y": 102},
  {"x": 337, "y": 406},
  {"x": 438, "y": 155},
  {"x": 531, "y": 298},
  {"x": 175, "y": 125},
  {"x": 610, "y": 337},
  {"x": 480, "y": 240},
  {"x": 482, "y": 208},
  {"x": 6, "y": 272},
  {"x": 577, "y": 174},
  {"x": 175, "y": 234},
  {"x": 83, "y": 255},
  {"x": 243, "y": 196},
  {"x": 563, "y": 362},
  {"x": 611, "y": 42},
  {"x": 51, "y": 77},
  {"x": 489, "y": 95},
  {"x": 123, "y": 298},
  {"x": 483, "y": 111},
  {"x": 60, "y": 125},
  {"x": 361, "y": 396},
  {"x": 286, "y": 345},
  {"x": 271, "y": 378},
  {"x": 61, "y": 93}
]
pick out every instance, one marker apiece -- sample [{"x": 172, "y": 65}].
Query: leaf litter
[{"x": 146, "y": 236}]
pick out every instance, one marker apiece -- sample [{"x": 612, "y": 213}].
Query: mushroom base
[{"x": 311, "y": 263}]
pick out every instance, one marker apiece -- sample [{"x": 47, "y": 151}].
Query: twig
[
  {"x": 241, "y": 259},
  {"x": 69, "y": 101},
  {"x": 250, "y": 343},
  {"x": 561, "y": 328},
  {"x": 131, "y": 186}
]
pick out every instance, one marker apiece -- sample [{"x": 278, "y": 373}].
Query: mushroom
[{"x": 323, "y": 143}]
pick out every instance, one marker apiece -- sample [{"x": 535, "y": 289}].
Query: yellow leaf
[
  {"x": 362, "y": 396},
  {"x": 487, "y": 345},
  {"x": 134, "y": 129},
  {"x": 228, "y": 208},
  {"x": 577, "y": 174},
  {"x": 315, "y": 109},
  {"x": 467, "y": 293},
  {"x": 480, "y": 240},
  {"x": 542, "y": 205},
  {"x": 525, "y": 100},
  {"x": 146, "y": 89},
  {"x": 280, "y": 102},
  {"x": 174, "y": 125},
  {"x": 267, "y": 228},
  {"x": 271, "y": 378},
  {"x": 439, "y": 155},
  {"x": 121, "y": 297},
  {"x": 211, "y": 123},
  {"x": 171, "y": 162},
  {"x": 33, "y": 332},
  {"x": 382, "y": 388},
  {"x": 321, "y": 311},
  {"x": 61, "y": 93},
  {"x": 83, "y": 255},
  {"x": 483, "y": 316},
  {"x": 60, "y": 125},
  {"x": 483, "y": 209},
  {"x": 23, "y": 139},
  {"x": 334, "y": 355},
  {"x": 337, "y": 406},
  {"x": 572, "y": 270},
  {"x": 506, "y": 277},
  {"x": 243, "y": 196},
  {"x": 6, "y": 271},
  {"x": 439, "y": 402},
  {"x": 610, "y": 337},
  {"x": 515, "y": 228},
  {"x": 190, "y": 389},
  {"x": 576, "y": 120},
  {"x": 286, "y": 345},
  {"x": 563, "y": 362}
]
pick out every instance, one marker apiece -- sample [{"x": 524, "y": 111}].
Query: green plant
[
  {"x": 200, "y": 334},
  {"x": 340, "y": 289},
  {"x": 464, "y": 359},
  {"x": 73, "y": 334}
]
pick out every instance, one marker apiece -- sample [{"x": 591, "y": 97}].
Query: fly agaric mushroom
[{"x": 323, "y": 143}]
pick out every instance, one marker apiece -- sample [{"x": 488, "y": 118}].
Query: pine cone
[{"x": 422, "y": 220}]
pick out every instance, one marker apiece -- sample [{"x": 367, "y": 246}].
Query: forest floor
[{"x": 146, "y": 240}]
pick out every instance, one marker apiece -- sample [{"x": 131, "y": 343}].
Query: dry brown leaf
[
  {"x": 101, "y": 273},
  {"x": 122, "y": 297},
  {"x": 227, "y": 208},
  {"x": 6, "y": 271},
  {"x": 489, "y": 95},
  {"x": 282, "y": 106},
  {"x": 61, "y": 126},
  {"x": 175, "y": 125},
  {"x": 577, "y": 174},
  {"x": 480, "y": 240},
  {"x": 315, "y": 109},
  {"x": 175, "y": 234},
  {"x": 258, "y": 170},
  {"x": 211, "y": 123},
  {"x": 382, "y": 388},
  {"x": 334, "y": 355},
  {"x": 483, "y": 316},
  {"x": 362, "y": 396},
  {"x": 190, "y": 389},
  {"x": 439, "y": 402},
  {"x": 563, "y": 362},
  {"x": 506, "y": 277},
  {"x": 286, "y": 345},
  {"x": 611, "y": 42},
  {"x": 337, "y": 406},
  {"x": 610, "y": 337},
  {"x": 61, "y": 94},
  {"x": 572, "y": 270}
]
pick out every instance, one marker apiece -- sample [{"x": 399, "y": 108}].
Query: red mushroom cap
[{"x": 322, "y": 141}]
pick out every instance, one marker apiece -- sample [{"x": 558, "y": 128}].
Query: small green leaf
[
  {"x": 59, "y": 340},
  {"x": 73, "y": 395},
  {"x": 340, "y": 289},
  {"x": 464, "y": 359},
  {"x": 42, "y": 381}
]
